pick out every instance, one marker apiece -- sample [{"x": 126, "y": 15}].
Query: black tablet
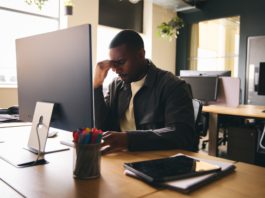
[{"x": 170, "y": 168}]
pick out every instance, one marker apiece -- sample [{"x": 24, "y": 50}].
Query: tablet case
[
  {"x": 171, "y": 168},
  {"x": 188, "y": 185}
]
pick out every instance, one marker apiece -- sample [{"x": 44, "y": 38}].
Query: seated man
[{"x": 146, "y": 108}]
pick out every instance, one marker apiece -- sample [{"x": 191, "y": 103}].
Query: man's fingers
[
  {"x": 106, "y": 133},
  {"x": 109, "y": 149},
  {"x": 104, "y": 150},
  {"x": 105, "y": 65}
]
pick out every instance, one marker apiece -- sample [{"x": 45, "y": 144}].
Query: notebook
[
  {"x": 171, "y": 168},
  {"x": 188, "y": 185}
]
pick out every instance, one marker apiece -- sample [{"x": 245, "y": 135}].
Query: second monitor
[{"x": 204, "y": 88}]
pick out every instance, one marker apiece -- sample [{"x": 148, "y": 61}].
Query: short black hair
[{"x": 128, "y": 37}]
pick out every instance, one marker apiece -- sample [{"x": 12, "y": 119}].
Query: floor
[
  {"x": 223, "y": 152},
  {"x": 222, "y": 148}
]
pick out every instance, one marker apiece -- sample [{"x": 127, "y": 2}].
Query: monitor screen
[
  {"x": 121, "y": 14},
  {"x": 56, "y": 67},
  {"x": 261, "y": 83},
  {"x": 204, "y": 88},
  {"x": 204, "y": 73}
]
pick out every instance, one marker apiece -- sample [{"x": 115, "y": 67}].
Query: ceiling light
[{"x": 134, "y": 1}]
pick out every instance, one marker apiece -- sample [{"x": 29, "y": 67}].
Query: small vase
[{"x": 68, "y": 10}]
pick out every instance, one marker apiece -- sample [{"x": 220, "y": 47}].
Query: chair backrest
[{"x": 197, "y": 106}]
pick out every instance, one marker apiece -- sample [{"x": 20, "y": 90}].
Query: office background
[{"x": 251, "y": 24}]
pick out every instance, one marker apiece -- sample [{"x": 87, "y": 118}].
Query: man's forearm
[{"x": 161, "y": 139}]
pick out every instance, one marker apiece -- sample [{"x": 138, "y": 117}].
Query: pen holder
[{"x": 86, "y": 161}]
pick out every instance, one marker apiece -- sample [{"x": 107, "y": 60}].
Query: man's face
[{"x": 127, "y": 63}]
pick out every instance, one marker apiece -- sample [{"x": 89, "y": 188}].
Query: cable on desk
[
  {"x": 13, "y": 188},
  {"x": 38, "y": 135}
]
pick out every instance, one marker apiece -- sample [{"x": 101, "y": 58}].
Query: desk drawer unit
[{"x": 242, "y": 144}]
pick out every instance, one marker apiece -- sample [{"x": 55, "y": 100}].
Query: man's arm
[
  {"x": 178, "y": 132},
  {"x": 101, "y": 106}
]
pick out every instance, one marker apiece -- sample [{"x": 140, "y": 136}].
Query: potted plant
[
  {"x": 38, "y": 3},
  {"x": 68, "y": 5},
  {"x": 170, "y": 29}
]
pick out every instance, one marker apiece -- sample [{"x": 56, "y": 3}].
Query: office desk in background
[
  {"x": 247, "y": 111},
  {"x": 56, "y": 178}
]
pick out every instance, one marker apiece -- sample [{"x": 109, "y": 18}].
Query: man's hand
[
  {"x": 114, "y": 142},
  {"x": 101, "y": 72}
]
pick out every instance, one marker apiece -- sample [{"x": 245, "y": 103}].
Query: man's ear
[{"x": 141, "y": 54}]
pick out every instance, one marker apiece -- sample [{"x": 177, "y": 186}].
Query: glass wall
[{"x": 215, "y": 45}]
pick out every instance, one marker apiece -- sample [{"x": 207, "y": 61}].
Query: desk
[
  {"x": 247, "y": 182},
  {"x": 7, "y": 191},
  {"x": 248, "y": 111},
  {"x": 56, "y": 179}
]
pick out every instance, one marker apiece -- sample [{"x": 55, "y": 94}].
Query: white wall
[
  {"x": 163, "y": 51},
  {"x": 8, "y": 97},
  {"x": 86, "y": 11}
]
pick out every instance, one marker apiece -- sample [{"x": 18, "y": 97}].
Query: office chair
[
  {"x": 197, "y": 107},
  {"x": 224, "y": 122},
  {"x": 200, "y": 126}
]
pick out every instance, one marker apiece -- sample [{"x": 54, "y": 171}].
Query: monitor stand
[
  {"x": 40, "y": 126},
  {"x": 40, "y": 131}
]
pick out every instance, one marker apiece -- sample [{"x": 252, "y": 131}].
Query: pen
[{"x": 87, "y": 136}]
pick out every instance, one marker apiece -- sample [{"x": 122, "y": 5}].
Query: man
[{"x": 145, "y": 108}]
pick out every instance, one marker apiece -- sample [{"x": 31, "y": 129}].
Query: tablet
[{"x": 170, "y": 168}]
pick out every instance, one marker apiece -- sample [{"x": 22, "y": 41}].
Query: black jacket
[{"x": 163, "y": 112}]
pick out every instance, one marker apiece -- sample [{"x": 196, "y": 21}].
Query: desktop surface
[{"x": 56, "y": 178}]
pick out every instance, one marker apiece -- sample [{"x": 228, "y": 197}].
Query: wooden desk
[
  {"x": 248, "y": 111},
  {"x": 7, "y": 191},
  {"x": 247, "y": 182},
  {"x": 56, "y": 178}
]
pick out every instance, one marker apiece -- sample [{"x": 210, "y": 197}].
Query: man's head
[{"x": 127, "y": 55}]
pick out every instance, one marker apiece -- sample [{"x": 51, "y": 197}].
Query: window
[
  {"x": 215, "y": 45},
  {"x": 17, "y": 20}
]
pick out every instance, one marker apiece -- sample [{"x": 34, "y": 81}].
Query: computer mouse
[
  {"x": 52, "y": 134},
  {"x": 13, "y": 110}
]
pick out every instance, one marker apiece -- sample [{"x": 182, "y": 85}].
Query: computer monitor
[
  {"x": 56, "y": 67},
  {"x": 204, "y": 73},
  {"x": 261, "y": 82},
  {"x": 204, "y": 88}
]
